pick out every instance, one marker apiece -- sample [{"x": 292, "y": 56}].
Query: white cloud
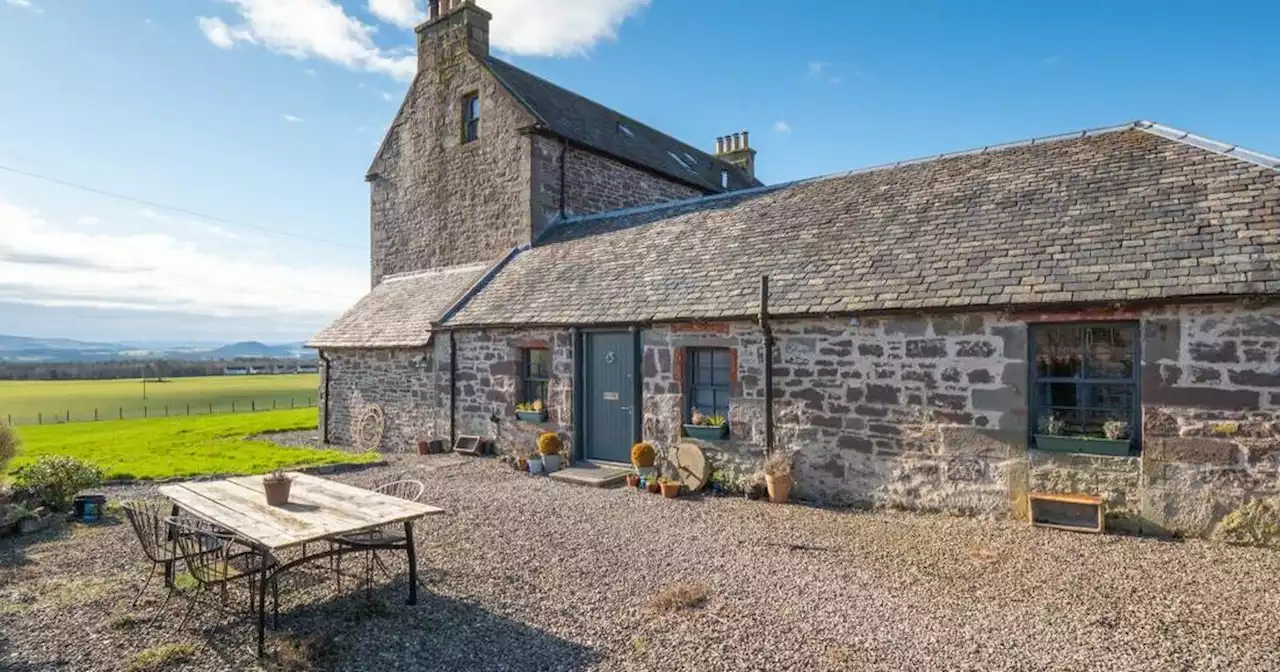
[
  {"x": 308, "y": 29},
  {"x": 291, "y": 119},
  {"x": 46, "y": 264},
  {"x": 403, "y": 13},
  {"x": 781, "y": 126},
  {"x": 88, "y": 221},
  {"x": 388, "y": 97},
  {"x": 559, "y": 28},
  {"x": 24, "y": 4}
]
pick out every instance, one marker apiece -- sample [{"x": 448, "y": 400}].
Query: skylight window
[
  {"x": 626, "y": 130},
  {"x": 692, "y": 161},
  {"x": 680, "y": 161}
]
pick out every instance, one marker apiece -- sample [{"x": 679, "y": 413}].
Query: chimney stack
[
  {"x": 452, "y": 27},
  {"x": 736, "y": 149}
]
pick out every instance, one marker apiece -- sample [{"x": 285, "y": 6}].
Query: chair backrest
[
  {"x": 407, "y": 490},
  {"x": 205, "y": 548},
  {"x": 147, "y": 518}
]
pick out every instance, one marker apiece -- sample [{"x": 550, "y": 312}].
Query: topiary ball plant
[
  {"x": 549, "y": 443},
  {"x": 643, "y": 455}
]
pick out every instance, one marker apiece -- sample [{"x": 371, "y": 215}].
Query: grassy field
[
  {"x": 169, "y": 447},
  {"x": 49, "y": 401}
]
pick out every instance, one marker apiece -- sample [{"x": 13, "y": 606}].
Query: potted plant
[
  {"x": 276, "y": 486},
  {"x": 549, "y": 447},
  {"x": 643, "y": 457},
  {"x": 533, "y": 411},
  {"x": 633, "y": 480},
  {"x": 535, "y": 464},
  {"x": 1053, "y": 435},
  {"x": 706, "y": 427},
  {"x": 669, "y": 487},
  {"x": 653, "y": 484},
  {"x": 777, "y": 476}
]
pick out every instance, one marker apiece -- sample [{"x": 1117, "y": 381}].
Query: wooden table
[{"x": 318, "y": 510}]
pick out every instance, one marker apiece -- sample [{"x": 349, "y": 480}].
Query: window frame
[
  {"x": 470, "y": 124},
  {"x": 692, "y": 383},
  {"x": 1038, "y": 404},
  {"x": 527, "y": 378}
]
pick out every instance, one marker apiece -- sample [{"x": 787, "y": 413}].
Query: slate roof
[
  {"x": 1130, "y": 213},
  {"x": 398, "y": 313},
  {"x": 587, "y": 122}
]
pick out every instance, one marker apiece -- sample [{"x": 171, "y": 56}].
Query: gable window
[
  {"x": 707, "y": 388},
  {"x": 470, "y": 117},
  {"x": 535, "y": 373},
  {"x": 1084, "y": 387},
  {"x": 724, "y": 179}
]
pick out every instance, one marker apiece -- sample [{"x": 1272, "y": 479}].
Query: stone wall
[
  {"x": 489, "y": 369},
  {"x": 909, "y": 412},
  {"x": 436, "y": 201},
  {"x": 593, "y": 183},
  {"x": 411, "y": 386}
]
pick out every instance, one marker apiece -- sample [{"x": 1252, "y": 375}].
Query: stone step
[{"x": 593, "y": 475}]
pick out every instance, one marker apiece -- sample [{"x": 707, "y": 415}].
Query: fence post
[
  {"x": 308, "y": 401},
  {"x": 68, "y": 415},
  {"x": 211, "y": 408},
  {"x": 166, "y": 410},
  {"x": 291, "y": 402},
  {"x": 273, "y": 404},
  {"x": 39, "y": 417},
  {"x": 253, "y": 405},
  {"x": 233, "y": 405},
  {"x": 188, "y": 409},
  {"x": 144, "y": 411},
  {"x": 122, "y": 412},
  {"x": 95, "y": 415}
]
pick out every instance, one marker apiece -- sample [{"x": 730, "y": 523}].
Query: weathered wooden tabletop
[{"x": 318, "y": 509}]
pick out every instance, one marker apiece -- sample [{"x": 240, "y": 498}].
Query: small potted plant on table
[
  {"x": 276, "y": 486},
  {"x": 1053, "y": 435},
  {"x": 706, "y": 427},
  {"x": 534, "y": 411},
  {"x": 549, "y": 447}
]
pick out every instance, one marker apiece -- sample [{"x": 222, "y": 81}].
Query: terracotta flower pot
[
  {"x": 522, "y": 464},
  {"x": 277, "y": 490},
  {"x": 653, "y": 486},
  {"x": 424, "y": 447},
  {"x": 670, "y": 490},
  {"x": 779, "y": 487},
  {"x": 633, "y": 480}
]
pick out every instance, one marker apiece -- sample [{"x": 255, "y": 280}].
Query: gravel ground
[{"x": 529, "y": 574}]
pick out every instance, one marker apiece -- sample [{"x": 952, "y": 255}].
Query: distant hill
[{"x": 26, "y": 349}]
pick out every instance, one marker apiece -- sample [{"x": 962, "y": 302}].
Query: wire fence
[{"x": 158, "y": 410}]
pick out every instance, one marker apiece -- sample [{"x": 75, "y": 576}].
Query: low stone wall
[{"x": 411, "y": 386}]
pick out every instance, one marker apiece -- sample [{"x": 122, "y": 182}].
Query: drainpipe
[
  {"x": 324, "y": 413},
  {"x": 768, "y": 364},
  {"x": 564, "y": 156},
  {"x": 453, "y": 390}
]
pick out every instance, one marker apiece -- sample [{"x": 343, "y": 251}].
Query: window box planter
[
  {"x": 532, "y": 416},
  {"x": 1082, "y": 444},
  {"x": 706, "y": 432}
]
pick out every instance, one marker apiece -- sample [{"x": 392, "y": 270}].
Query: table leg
[
  {"x": 413, "y": 561},
  {"x": 168, "y": 564},
  {"x": 262, "y": 609}
]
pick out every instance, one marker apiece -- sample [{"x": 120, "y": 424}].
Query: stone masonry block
[{"x": 1195, "y": 450}]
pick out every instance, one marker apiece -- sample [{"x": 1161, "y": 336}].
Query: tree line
[{"x": 158, "y": 368}]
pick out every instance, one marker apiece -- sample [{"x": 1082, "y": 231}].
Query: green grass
[
  {"x": 179, "y": 447},
  {"x": 49, "y": 401}
]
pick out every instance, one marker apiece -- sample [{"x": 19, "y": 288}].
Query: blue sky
[{"x": 267, "y": 112}]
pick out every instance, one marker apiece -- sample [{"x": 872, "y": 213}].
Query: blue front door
[{"x": 609, "y": 393}]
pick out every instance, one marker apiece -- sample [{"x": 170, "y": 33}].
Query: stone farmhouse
[{"x": 934, "y": 328}]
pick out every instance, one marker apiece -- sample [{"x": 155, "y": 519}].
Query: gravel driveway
[{"x": 530, "y": 574}]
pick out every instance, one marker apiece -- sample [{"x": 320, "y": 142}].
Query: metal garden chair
[
  {"x": 408, "y": 490},
  {"x": 216, "y": 559},
  {"x": 147, "y": 518}
]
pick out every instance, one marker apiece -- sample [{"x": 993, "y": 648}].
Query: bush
[
  {"x": 9, "y": 444},
  {"x": 54, "y": 480},
  {"x": 643, "y": 455},
  {"x": 549, "y": 443}
]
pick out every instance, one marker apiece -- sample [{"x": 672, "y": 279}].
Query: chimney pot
[
  {"x": 746, "y": 143},
  {"x": 720, "y": 145}
]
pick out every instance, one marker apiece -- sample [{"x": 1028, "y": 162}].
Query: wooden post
[
  {"x": 253, "y": 405},
  {"x": 291, "y": 402},
  {"x": 166, "y": 410},
  {"x": 95, "y": 415},
  {"x": 39, "y": 417},
  {"x": 210, "y": 409},
  {"x": 122, "y": 412},
  {"x": 233, "y": 405},
  {"x": 68, "y": 415},
  {"x": 273, "y": 404},
  {"x": 144, "y": 411}
]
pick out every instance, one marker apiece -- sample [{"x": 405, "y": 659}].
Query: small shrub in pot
[
  {"x": 549, "y": 447},
  {"x": 777, "y": 476},
  {"x": 276, "y": 486}
]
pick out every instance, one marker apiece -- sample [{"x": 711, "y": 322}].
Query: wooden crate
[
  {"x": 470, "y": 445},
  {"x": 1078, "y": 513}
]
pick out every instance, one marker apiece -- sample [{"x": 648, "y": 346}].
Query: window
[
  {"x": 470, "y": 117},
  {"x": 679, "y": 161},
  {"x": 708, "y": 381},
  {"x": 626, "y": 130},
  {"x": 1085, "y": 375},
  {"x": 535, "y": 372},
  {"x": 724, "y": 179}
]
